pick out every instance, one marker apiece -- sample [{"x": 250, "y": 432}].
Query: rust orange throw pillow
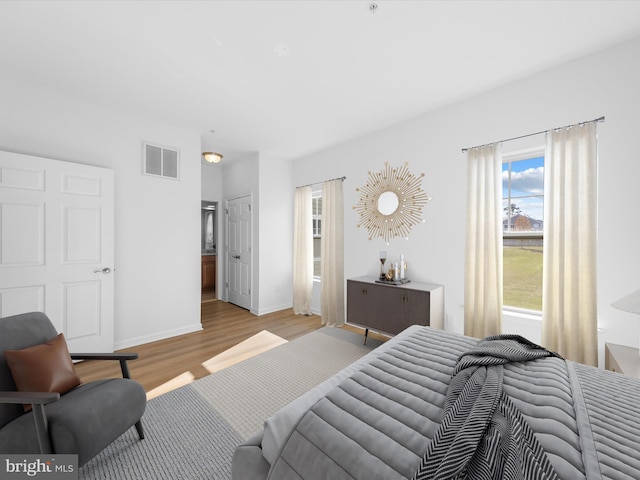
[{"x": 43, "y": 368}]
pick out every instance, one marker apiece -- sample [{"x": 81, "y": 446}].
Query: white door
[
  {"x": 239, "y": 252},
  {"x": 56, "y": 246}
]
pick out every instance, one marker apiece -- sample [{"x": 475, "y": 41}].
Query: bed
[{"x": 377, "y": 418}]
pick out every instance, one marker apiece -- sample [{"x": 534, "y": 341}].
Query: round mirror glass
[{"x": 388, "y": 203}]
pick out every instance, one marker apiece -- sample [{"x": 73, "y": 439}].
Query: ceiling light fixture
[{"x": 212, "y": 157}]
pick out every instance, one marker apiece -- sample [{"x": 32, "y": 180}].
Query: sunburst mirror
[{"x": 391, "y": 202}]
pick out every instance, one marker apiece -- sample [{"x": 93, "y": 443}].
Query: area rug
[{"x": 191, "y": 432}]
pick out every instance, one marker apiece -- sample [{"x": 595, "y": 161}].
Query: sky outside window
[{"x": 524, "y": 187}]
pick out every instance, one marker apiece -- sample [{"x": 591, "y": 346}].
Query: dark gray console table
[{"x": 390, "y": 309}]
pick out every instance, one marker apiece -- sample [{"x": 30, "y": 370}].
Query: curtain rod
[
  {"x": 317, "y": 183},
  {"x": 599, "y": 119}
]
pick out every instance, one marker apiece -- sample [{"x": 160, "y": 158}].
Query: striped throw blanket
[{"x": 482, "y": 434}]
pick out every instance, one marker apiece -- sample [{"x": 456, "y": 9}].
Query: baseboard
[
  {"x": 264, "y": 311},
  {"x": 134, "y": 342}
]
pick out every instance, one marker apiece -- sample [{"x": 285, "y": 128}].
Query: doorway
[{"x": 209, "y": 250}]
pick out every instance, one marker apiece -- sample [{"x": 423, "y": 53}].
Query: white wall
[
  {"x": 276, "y": 239},
  {"x": 602, "y": 84},
  {"x": 157, "y": 223},
  {"x": 212, "y": 191},
  {"x": 211, "y": 182}
]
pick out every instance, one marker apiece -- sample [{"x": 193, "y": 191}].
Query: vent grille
[{"x": 161, "y": 161}]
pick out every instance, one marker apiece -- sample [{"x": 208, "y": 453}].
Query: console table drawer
[{"x": 392, "y": 308}]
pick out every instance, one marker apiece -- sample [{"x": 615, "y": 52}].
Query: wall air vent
[{"x": 161, "y": 161}]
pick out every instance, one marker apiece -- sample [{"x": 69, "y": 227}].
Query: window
[
  {"x": 316, "y": 215},
  {"x": 523, "y": 221}
]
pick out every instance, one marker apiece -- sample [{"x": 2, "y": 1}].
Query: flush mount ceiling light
[{"x": 212, "y": 157}]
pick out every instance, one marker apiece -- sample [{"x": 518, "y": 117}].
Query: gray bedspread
[
  {"x": 482, "y": 434},
  {"x": 376, "y": 419}
]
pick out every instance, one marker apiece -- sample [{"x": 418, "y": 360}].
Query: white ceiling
[{"x": 210, "y": 65}]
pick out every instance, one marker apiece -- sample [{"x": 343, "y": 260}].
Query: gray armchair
[{"x": 82, "y": 421}]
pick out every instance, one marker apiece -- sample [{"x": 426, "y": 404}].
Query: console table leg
[{"x": 366, "y": 332}]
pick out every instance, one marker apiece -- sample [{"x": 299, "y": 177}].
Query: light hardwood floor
[{"x": 171, "y": 363}]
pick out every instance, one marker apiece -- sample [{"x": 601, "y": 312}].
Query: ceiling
[{"x": 213, "y": 65}]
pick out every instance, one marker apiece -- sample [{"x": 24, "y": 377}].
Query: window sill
[
  {"x": 527, "y": 323},
  {"x": 523, "y": 314}
]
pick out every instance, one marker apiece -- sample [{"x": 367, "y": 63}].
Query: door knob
[
  {"x": 104, "y": 270},
  {"x": 237, "y": 257}
]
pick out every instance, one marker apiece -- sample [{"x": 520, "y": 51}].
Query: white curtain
[
  {"x": 332, "y": 254},
  {"x": 302, "y": 252},
  {"x": 483, "y": 255},
  {"x": 569, "y": 308}
]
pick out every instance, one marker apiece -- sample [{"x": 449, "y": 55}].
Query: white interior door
[
  {"x": 56, "y": 246},
  {"x": 239, "y": 252}
]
